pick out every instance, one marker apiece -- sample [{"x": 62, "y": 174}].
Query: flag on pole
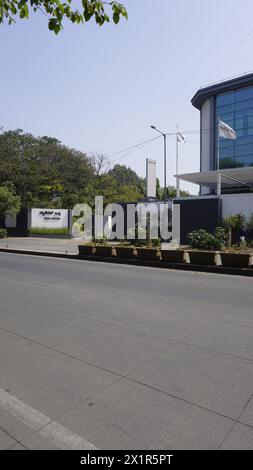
[
  {"x": 180, "y": 136},
  {"x": 226, "y": 131}
]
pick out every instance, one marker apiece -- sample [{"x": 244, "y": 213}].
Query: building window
[{"x": 236, "y": 109}]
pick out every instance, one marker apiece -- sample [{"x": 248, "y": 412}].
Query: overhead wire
[{"x": 132, "y": 149}]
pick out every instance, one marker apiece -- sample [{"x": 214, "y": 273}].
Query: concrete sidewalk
[{"x": 67, "y": 246}]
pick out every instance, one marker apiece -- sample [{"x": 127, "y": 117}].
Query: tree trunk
[{"x": 229, "y": 237}]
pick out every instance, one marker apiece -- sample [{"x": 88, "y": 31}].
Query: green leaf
[
  {"x": 116, "y": 18},
  {"x": 52, "y": 24}
]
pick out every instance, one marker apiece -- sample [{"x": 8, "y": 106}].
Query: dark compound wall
[{"x": 199, "y": 213}]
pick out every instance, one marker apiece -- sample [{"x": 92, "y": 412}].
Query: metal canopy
[{"x": 230, "y": 178}]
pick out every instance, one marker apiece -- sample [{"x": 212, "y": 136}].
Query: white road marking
[{"x": 62, "y": 437}]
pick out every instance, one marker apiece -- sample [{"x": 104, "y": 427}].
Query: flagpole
[
  {"x": 178, "y": 188},
  {"x": 218, "y": 160}
]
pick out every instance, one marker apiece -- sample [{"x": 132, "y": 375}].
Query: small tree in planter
[{"x": 233, "y": 223}]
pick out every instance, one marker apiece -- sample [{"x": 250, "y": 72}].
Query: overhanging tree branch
[{"x": 57, "y": 11}]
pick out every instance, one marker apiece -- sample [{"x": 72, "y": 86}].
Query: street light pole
[
  {"x": 165, "y": 158},
  {"x": 165, "y": 165},
  {"x": 178, "y": 188}
]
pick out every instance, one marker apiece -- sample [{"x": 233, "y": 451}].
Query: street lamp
[{"x": 165, "y": 157}]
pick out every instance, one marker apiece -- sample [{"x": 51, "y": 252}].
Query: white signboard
[
  {"x": 151, "y": 177},
  {"x": 49, "y": 218}
]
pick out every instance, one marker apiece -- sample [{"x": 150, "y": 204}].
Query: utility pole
[{"x": 177, "y": 180}]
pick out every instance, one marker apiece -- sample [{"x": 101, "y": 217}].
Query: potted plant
[{"x": 205, "y": 246}]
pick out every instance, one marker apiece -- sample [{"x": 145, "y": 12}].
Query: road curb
[
  {"x": 50, "y": 254},
  {"x": 247, "y": 272}
]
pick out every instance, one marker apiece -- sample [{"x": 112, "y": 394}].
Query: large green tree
[
  {"x": 58, "y": 10},
  {"x": 111, "y": 189},
  {"x": 42, "y": 170},
  {"x": 127, "y": 177},
  {"x": 45, "y": 173}
]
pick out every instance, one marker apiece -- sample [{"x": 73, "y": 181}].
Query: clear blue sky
[{"x": 99, "y": 89}]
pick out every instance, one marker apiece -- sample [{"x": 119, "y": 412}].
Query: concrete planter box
[
  {"x": 86, "y": 250},
  {"x": 205, "y": 258},
  {"x": 174, "y": 256},
  {"x": 105, "y": 251},
  {"x": 148, "y": 254},
  {"x": 236, "y": 260},
  {"x": 126, "y": 252}
]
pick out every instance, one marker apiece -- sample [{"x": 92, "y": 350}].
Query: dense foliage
[
  {"x": 203, "y": 240},
  {"x": 56, "y": 11},
  {"x": 42, "y": 171},
  {"x": 45, "y": 173}
]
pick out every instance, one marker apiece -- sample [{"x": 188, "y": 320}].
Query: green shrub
[
  {"x": 203, "y": 240},
  {"x": 3, "y": 233},
  {"x": 221, "y": 235},
  {"x": 49, "y": 231}
]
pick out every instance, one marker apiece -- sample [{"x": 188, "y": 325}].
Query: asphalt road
[{"x": 120, "y": 357}]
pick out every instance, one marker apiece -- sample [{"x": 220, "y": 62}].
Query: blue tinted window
[
  {"x": 244, "y": 94},
  {"x": 226, "y": 108},
  {"x": 243, "y": 105},
  {"x": 236, "y": 109},
  {"x": 227, "y": 98}
]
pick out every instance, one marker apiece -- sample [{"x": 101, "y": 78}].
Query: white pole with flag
[
  {"x": 180, "y": 138},
  {"x": 218, "y": 161},
  {"x": 226, "y": 132}
]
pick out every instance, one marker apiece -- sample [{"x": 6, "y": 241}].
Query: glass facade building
[
  {"x": 231, "y": 101},
  {"x": 235, "y": 108}
]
